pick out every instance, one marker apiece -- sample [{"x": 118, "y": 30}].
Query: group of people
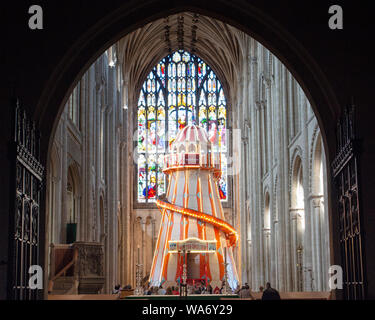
[
  {"x": 118, "y": 288},
  {"x": 170, "y": 291},
  {"x": 267, "y": 294},
  {"x": 199, "y": 287}
]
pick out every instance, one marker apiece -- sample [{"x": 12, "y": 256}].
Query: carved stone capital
[
  {"x": 247, "y": 123},
  {"x": 267, "y": 232},
  {"x": 267, "y": 82},
  {"x": 258, "y": 105},
  {"x": 316, "y": 202},
  {"x": 295, "y": 213}
]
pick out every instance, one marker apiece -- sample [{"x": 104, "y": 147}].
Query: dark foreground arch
[{"x": 42, "y": 67}]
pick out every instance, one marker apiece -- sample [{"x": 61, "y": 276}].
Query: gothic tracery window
[{"x": 180, "y": 90}]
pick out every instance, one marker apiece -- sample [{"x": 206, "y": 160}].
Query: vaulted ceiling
[{"x": 218, "y": 44}]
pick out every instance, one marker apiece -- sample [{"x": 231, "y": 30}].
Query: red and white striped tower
[{"x": 193, "y": 228}]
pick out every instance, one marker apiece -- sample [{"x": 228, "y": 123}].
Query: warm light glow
[
  {"x": 193, "y": 251},
  {"x": 192, "y": 239}
]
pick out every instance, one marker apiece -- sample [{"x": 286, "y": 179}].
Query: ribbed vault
[{"x": 219, "y": 44}]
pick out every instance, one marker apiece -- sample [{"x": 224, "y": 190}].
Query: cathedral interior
[
  {"x": 275, "y": 193},
  {"x": 289, "y": 180}
]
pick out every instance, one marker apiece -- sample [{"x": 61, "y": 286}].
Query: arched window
[
  {"x": 300, "y": 194},
  {"x": 267, "y": 215},
  {"x": 267, "y": 235},
  {"x": 180, "y": 90}
]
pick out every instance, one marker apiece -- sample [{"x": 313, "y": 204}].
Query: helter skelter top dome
[
  {"x": 192, "y": 134},
  {"x": 193, "y": 148}
]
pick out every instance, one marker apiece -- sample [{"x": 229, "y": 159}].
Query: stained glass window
[{"x": 180, "y": 90}]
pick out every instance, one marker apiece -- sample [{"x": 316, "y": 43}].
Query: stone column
[
  {"x": 266, "y": 253},
  {"x": 64, "y": 180},
  {"x": 138, "y": 246},
  {"x": 316, "y": 202},
  {"x": 143, "y": 224},
  {"x": 82, "y": 218},
  {"x": 271, "y": 160},
  {"x": 324, "y": 242},
  {"x": 284, "y": 214},
  {"x": 243, "y": 216},
  {"x": 307, "y": 214},
  {"x": 300, "y": 265},
  {"x": 258, "y": 198},
  {"x": 277, "y": 276},
  {"x": 112, "y": 174},
  {"x": 88, "y": 164},
  {"x": 294, "y": 246}
]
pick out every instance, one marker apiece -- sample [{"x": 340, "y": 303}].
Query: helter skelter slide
[{"x": 193, "y": 230}]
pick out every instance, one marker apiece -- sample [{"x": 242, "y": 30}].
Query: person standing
[
  {"x": 245, "y": 292},
  {"x": 117, "y": 289},
  {"x": 209, "y": 289},
  {"x": 161, "y": 291},
  {"x": 217, "y": 290},
  {"x": 270, "y": 293}
]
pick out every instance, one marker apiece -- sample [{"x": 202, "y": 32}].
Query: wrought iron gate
[
  {"x": 346, "y": 176},
  {"x": 25, "y": 242}
]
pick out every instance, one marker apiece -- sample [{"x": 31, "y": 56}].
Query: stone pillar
[
  {"x": 266, "y": 254},
  {"x": 300, "y": 266},
  {"x": 138, "y": 236},
  {"x": 64, "y": 180},
  {"x": 244, "y": 216},
  {"x": 257, "y": 197},
  {"x": 284, "y": 184},
  {"x": 112, "y": 175},
  {"x": 324, "y": 242},
  {"x": 277, "y": 276},
  {"x": 247, "y": 166},
  {"x": 82, "y": 218},
  {"x": 316, "y": 202},
  {"x": 143, "y": 225},
  {"x": 294, "y": 246},
  {"x": 88, "y": 131}
]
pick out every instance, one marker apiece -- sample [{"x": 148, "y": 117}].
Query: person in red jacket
[{"x": 217, "y": 290}]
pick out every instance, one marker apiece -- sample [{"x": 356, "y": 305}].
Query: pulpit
[{"x": 77, "y": 268}]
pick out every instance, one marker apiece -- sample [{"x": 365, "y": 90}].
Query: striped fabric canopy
[{"x": 192, "y": 133}]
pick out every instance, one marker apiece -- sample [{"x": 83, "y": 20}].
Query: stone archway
[{"x": 55, "y": 94}]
